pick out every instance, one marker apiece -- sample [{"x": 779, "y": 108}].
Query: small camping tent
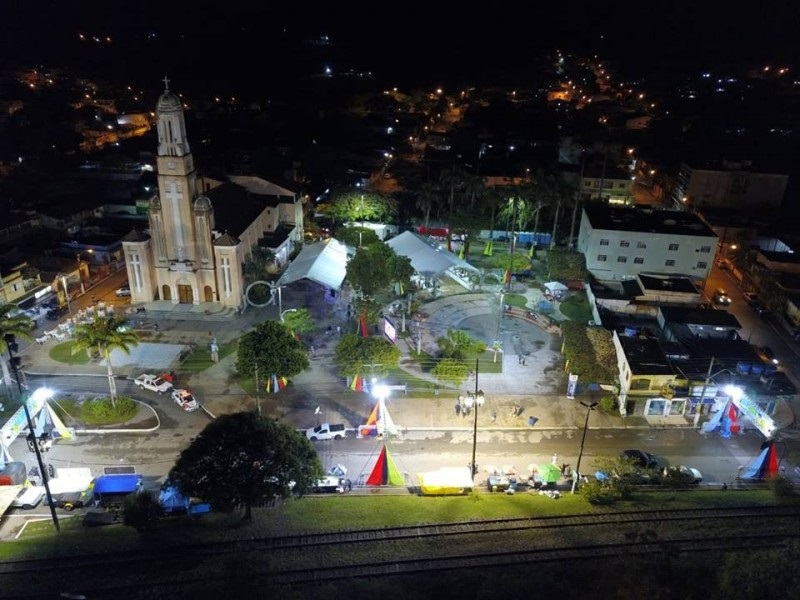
[
  {"x": 379, "y": 422},
  {"x": 172, "y": 501},
  {"x": 385, "y": 472}
]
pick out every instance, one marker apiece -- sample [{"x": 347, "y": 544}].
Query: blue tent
[{"x": 117, "y": 484}]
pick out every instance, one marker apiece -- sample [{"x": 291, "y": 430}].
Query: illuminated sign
[
  {"x": 389, "y": 330},
  {"x": 762, "y": 421}
]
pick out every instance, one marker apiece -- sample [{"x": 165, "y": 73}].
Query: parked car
[
  {"x": 54, "y": 314},
  {"x": 769, "y": 354},
  {"x": 123, "y": 291},
  {"x": 640, "y": 458},
  {"x": 154, "y": 383},
  {"x": 682, "y": 473},
  {"x": 721, "y": 297},
  {"x": 329, "y": 485},
  {"x": 28, "y": 497},
  {"x": 185, "y": 399}
]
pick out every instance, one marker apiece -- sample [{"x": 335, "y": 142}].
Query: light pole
[
  {"x": 577, "y": 474},
  {"x": 12, "y": 346},
  {"x": 66, "y": 293},
  {"x": 288, "y": 310},
  {"x": 474, "y": 400}
]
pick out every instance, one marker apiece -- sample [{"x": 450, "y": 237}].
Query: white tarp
[
  {"x": 425, "y": 255},
  {"x": 324, "y": 262},
  {"x": 556, "y": 287}
]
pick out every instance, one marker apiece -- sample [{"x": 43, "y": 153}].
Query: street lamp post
[
  {"x": 577, "y": 474},
  {"x": 66, "y": 293},
  {"x": 474, "y": 400},
  {"x": 288, "y": 310},
  {"x": 12, "y": 346}
]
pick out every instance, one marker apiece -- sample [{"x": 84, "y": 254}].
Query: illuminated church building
[{"x": 191, "y": 253}]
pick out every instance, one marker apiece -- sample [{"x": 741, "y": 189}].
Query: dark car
[
  {"x": 640, "y": 458},
  {"x": 769, "y": 355},
  {"x": 54, "y": 314}
]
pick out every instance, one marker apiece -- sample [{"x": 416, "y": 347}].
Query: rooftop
[{"x": 602, "y": 216}]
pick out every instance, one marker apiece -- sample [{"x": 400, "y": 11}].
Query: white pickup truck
[
  {"x": 326, "y": 431},
  {"x": 154, "y": 383}
]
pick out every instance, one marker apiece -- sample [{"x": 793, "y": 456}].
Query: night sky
[{"x": 232, "y": 43}]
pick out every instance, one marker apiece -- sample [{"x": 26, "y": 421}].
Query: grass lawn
[
  {"x": 96, "y": 411},
  {"x": 64, "y": 353},
  {"x": 577, "y": 308},
  {"x": 320, "y": 513}
]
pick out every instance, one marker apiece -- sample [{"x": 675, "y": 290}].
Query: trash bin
[{"x": 532, "y": 421}]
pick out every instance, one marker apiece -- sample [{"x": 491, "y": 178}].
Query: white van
[{"x": 28, "y": 497}]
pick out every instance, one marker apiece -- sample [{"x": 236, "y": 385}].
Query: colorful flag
[
  {"x": 461, "y": 251},
  {"x": 275, "y": 384},
  {"x": 507, "y": 276},
  {"x": 449, "y": 244},
  {"x": 363, "y": 330},
  {"x": 530, "y": 252},
  {"x": 487, "y": 251}
]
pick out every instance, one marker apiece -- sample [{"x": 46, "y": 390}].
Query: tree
[
  {"x": 357, "y": 236},
  {"x": 377, "y": 266},
  {"x": 273, "y": 350},
  {"x": 428, "y": 198},
  {"x": 243, "y": 459},
  {"x": 298, "y": 321},
  {"x": 141, "y": 511},
  {"x": 105, "y": 334},
  {"x": 457, "y": 344},
  {"x": 354, "y": 205},
  {"x": 451, "y": 370},
  {"x": 19, "y": 325},
  {"x": 356, "y": 355}
]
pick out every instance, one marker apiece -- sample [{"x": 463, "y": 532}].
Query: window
[
  {"x": 602, "y": 258},
  {"x": 622, "y": 259},
  {"x": 638, "y": 260},
  {"x": 641, "y": 245},
  {"x": 604, "y": 242},
  {"x": 673, "y": 247},
  {"x": 624, "y": 244},
  {"x": 669, "y": 263},
  {"x": 702, "y": 265},
  {"x": 705, "y": 249}
]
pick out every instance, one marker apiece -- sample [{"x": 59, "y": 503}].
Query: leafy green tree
[
  {"x": 376, "y": 267},
  {"x": 273, "y": 350},
  {"x": 105, "y": 334},
  {"x": 458, "y": 344},
  {"x": 141, "y": 511},
  {"x": 298, "y": 321},
  {"x": 242, "y": 460},
  {"x": 19, "y": 325},
  {"x": 354, "y": 205},
  {"x": 357, "y": 236},
  {"x": 357, "y": 355},
  {"x": 451, "y": 370},
  {"x": 428, "y": 198}
]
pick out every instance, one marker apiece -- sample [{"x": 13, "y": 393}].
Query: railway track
[{"x": 414, "y": 549}]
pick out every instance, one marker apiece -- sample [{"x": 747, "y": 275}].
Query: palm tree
[
  {"x": 105, "y": 335},
  {"x": 19, "y": 326},
  {"x": 427, "y": 198}
]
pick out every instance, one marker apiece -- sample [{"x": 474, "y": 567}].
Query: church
[{"x": 191, "y": 254}]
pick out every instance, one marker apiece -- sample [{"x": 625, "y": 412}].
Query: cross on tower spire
[{"x": 166, "y": 83}]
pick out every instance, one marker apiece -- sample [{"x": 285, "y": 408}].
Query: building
[
  {"x": 734, "y": 185},
  {"x": 619, "y": 243},
  {"x": 192, "y": 254}
]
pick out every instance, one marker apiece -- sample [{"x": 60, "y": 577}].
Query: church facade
[{"x": 190, "y": 256}]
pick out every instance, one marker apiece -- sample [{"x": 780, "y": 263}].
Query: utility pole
[
  {"x": 703, "y": 393},
  {"x": 258, "y": 395}
]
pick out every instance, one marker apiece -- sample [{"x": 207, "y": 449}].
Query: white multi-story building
[{"x": 619, "y": 243}]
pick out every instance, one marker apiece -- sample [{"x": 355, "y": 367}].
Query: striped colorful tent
[
  {"x": 380, "y": 422},
  {"x": 385, "y": 472}
]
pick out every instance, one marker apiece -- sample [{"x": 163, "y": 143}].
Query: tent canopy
[
  {"x": 555, "y": 286},
  {"x": 425, "y": 255},
  {"x": 385, "y": 472},
  {"x": 324, "y": 262}
]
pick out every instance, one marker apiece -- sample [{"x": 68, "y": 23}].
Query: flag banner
[
  {"x": 531, "y": 251},
  {"x": 507, "y": 276},
  {"x": 363, "y": 330},
  {"x": 461, "y": 251},
  {"x": 449, "y": 244}
]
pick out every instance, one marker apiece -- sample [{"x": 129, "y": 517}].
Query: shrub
[
  {"x": 608, "y": 404},
  {"x": 600, "y": 493},
  {"x": 780, "y": 487},
  {"x": 100, "y": 410}
]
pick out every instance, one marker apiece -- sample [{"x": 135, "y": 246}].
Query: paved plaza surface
[{"x": 532, "y": 382}]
